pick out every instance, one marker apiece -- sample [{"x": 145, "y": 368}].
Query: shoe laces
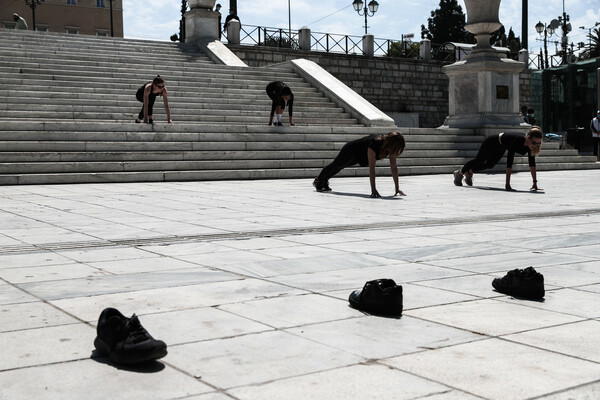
[{"x": 137, "y": 333}]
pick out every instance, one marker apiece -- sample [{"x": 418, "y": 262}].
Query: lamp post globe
[
  {"x": 373, "y": 6},
  {"x": 539, "y": 27}
]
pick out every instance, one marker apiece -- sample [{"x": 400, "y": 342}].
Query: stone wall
[{"x": 394, "y": 85}]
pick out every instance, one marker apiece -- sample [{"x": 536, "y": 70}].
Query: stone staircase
[{"x": 67, "y": 106}]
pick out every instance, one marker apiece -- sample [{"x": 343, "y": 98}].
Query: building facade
[{"x": 85, "y": 17}]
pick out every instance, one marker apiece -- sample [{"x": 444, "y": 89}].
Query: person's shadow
[
  {"x": 364, "y": 196},
  {"x": 147, "y": 367},
  {"x": 497, "y": 189}
]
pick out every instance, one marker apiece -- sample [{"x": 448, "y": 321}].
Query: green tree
[
  {"x": 409, "y": 50},
  {"x": 447, "y": 24},
  {"x": 514, "y": 42},
  {"x": 592, "y": 49},
  {"x": 499, "y": 38}
]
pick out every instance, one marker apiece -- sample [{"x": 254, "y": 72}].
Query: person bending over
[
  {"x": 280, "y": 94},
  {"x": 492, "y": 150},
  {"x": 147, "y": 94},
  {"x": 365, "y": 151}
]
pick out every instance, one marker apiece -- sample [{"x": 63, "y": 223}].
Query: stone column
[
  {"x": 484, "y": 87},
  {"x": 369, "y": 45},
  {"x": 304, "y": 38},
  {"x": 233, "y": 31},
  {"x": 201, "y": 23},
  {"x": 524, "y": 57},
  {"x": 425, "y": 49}
]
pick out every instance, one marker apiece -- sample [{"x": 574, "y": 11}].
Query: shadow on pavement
[{"x": 144, "y": 368}]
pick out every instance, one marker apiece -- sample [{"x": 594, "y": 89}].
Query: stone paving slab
[{"x": 248, "y": 282}]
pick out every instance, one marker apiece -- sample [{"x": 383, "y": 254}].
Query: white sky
[{"x": 159, "y": 19}]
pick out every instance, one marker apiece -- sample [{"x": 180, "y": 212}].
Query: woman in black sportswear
[
  {"x": 365, "y": 151},
  {"x": 492, "y": 150},
  {"x": 280, "y": 94},
  {"x": 147, "y": 94}
]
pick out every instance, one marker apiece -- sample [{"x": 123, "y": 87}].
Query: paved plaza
[{"x": 248, "y": 283}]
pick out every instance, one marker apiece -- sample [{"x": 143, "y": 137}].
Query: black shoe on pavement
[
  {"x": 318, "y": 185},
  {"x": 380, "y": 296},
  {"x": 526, "y": 283},
  {"x": 326, "y": 187},
  {"x": 124, "y": 340},
  {"x": 458, "y": 178},
  {"x": 469, "y": 179}
]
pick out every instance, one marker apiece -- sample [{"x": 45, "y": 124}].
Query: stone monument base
[
  {"x": 484, "y": 93},
  {"x": 201, "y": 24}
]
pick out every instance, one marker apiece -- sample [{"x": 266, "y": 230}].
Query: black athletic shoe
[
  {"x": 458, "y": 178},
  {"x": 318, "y": 185},
  {"x": 124, "y": 340},
  {"x": 526, "y": 283},
  {"x": 326, "y": 187},
  {"x": 381, "y": 296}
]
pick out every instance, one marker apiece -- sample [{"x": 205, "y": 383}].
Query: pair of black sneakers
[
  {"x": 124, "y": 340},
  {"x": 384, "y": 297}
]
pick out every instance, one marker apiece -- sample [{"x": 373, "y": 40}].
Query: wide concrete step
[
  {"x": 281, "y": 173},
  {"x": 185, "y": 75},
  {"x": 213, "y": 154},
  {"x": 229, "y": 162}
]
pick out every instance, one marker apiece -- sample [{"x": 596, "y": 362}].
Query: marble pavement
[{"x": 247, "y": 282}]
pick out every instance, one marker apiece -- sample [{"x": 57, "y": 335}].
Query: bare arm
[
  {"x": 534, "y": 177},
  {"x": 508, "y": 173},
  {"x": 167, "y": 109},
  {"x": 372, "y": 160},
  {"x": 394, "y": 169},
  {"x": 147, "y": 90}
]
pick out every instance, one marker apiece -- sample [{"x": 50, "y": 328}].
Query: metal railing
[
  {"x": 536, "y": 61},
  {"x": 251, "y": 35},
  {"x": 270, "y": 37},
  {"x": 326, "y": 42}
]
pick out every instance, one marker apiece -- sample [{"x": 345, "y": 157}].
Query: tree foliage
[
  {"x": 408, "y": 50},
  {"x": 592, "y": 48},
  {"x": 447, "y": 24},
  {"x": 499, "y": 38}
]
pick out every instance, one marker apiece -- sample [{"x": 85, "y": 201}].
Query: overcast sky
[{"x": 159, "y": 19}]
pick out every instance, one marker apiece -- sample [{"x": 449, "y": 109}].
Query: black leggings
[
  {"x": 346, "y": 158},
  {"x": 151, "y": 99},
  {"x": 489, "y": 154}
]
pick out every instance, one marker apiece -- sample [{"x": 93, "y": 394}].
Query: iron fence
[
  {"x": 270, "y": 37},
  {"x": 536, "y": 61},
  {"x": 348, "y": 44},
  {"x": 326, "y": 42}
]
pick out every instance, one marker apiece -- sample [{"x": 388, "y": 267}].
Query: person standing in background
[
  {"x": 21, "y": 24},
  {"x": 595, "y": 128}
]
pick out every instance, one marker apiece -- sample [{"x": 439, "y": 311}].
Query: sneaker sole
[{"x": 104, "y": 351}]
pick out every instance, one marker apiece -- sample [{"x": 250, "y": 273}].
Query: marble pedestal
[
  {"x": 484, "y": 93},
  {"x": 201, "y": 25}
]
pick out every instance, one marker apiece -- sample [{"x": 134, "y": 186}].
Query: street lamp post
[
  {"x": 32, "y": 4},
  {"x": 545, "y": 31},
  {"x": 590, "y": 32},
  {"x": 368, "y": 10}
]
